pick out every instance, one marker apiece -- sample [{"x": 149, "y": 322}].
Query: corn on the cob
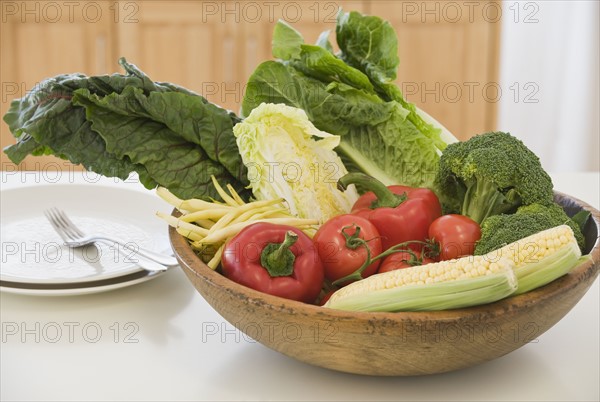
[
  {"x": 541, "y": 258},
  {"x": 532, "y": 262},
  {"x": 444, "y": 285}
]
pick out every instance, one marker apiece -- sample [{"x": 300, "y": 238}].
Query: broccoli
[
  {"x": 491, "y": 174},
  {"x": 500, "y": 230}
]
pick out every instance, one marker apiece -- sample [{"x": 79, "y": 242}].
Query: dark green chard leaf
[
  {"x": 26, "y": 146},
  {"x": 199, "y": 122},
  {"x": 127, "y": 124},
  {"x": 167, "y": 134},
  {"x": 45, "y": 122}
]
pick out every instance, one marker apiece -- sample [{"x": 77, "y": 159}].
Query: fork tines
[{"x": 65, "y": 228}]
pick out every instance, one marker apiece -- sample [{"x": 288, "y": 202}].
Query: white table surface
[{"x": 176, "y": 347}]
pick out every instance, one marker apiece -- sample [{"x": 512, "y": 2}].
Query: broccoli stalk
[
  {"x": 491, "y": 174},
  {"x": 483, "y": 199}
]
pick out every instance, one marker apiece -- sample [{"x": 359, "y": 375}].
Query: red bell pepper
[
  {"x": 399, "y": 213},
  {"x": 276, "y": 259}
]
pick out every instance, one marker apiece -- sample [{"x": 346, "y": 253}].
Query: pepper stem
[
  {"x": 277, "y": 258},
  {"x": 385, "y": 198}
]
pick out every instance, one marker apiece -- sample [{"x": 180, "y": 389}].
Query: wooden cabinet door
[
  {"x": 448, "y": 50},
  {"x": 180, "y": 42},
  {"x": 213, "y": 47},
  {"x": 45, "y": 38}
]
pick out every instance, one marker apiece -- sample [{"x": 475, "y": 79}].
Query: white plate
[
  {"x": 32, "y": 289},
  {"x": 32, "y": 252}
]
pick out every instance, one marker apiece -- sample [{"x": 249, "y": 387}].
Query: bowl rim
[{"x": 589, "y": 268}]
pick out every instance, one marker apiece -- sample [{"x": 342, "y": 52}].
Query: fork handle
[
  {"x": 151, "y": 255},
  {"x": 143, "y": 262}
]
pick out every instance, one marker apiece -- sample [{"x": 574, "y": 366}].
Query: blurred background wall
[
  {"x": 551, "y": 61},
  {"x": 528, "y": 67}
]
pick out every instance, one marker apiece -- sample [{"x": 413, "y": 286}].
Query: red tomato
[
  {"x": 456, "y": 235},
  {"x": 403, "y": 260},
  {"x": 340, "y": 258}
]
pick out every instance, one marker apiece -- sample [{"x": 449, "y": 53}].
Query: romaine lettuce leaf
[
  {"x": 369, "y": 44},
  {"x": 376, "y": 136},
  {"x": 352, "y": 95},
  {"x": 313, "y": 60}
]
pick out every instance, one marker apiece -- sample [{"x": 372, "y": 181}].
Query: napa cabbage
[{"x": 288, "y": 157}]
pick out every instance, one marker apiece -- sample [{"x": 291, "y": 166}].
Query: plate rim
[
  {"x": 132, "y": 268},
  {"x": 89, "y": 288}
]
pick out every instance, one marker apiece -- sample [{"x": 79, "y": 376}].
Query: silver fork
[{"x": 74, "y": 237}]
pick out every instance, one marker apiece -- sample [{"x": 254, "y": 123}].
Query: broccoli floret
[
  {"x": 500, "y": 230},
  {"x": 491, "y": 174}
]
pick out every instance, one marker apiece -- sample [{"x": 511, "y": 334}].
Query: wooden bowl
[{"x": 395, "y": 344}]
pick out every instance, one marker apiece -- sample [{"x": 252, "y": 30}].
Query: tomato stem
[
  {"x": 385, "y": 197},
  {"x": 277, "y": 258},
  {"x": 414, "y": 260},
  {"x": 431, "y": 249},
  {"x": 353, "y": 241},
  {"x": 356, "y": 275},
  {"x": 401, "y": 247}
]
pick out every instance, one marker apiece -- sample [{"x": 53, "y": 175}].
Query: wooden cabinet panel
[
  {"x": 448, "y": 59},
  {"x": 170, "y": 42},
  {"x": 213, "y": 47},
  {"x": 37, "y": 44}
]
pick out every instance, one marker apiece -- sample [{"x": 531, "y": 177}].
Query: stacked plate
[{"x": 34, "y": 259}]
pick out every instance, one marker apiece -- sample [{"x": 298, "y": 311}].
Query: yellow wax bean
[
  {"x": 189, "y": 234},
  {"x": 216, "y": 260},
  {"x": 232, "y": 230},
  {"x": 229, "y": 200},
  {"x": 228, "y": 218},
  {"x": 235, "y": 195},
  {"x": 176, "y": 223},
  {"x": 211, "y": 214}
]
